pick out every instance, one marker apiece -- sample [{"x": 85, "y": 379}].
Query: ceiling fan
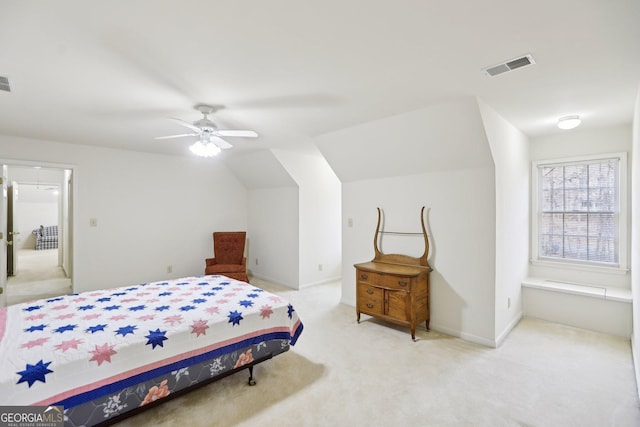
[{"x": 210, "y": 140}]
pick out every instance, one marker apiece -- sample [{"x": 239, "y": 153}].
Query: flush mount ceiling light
[{"x": 569, "y": 122}]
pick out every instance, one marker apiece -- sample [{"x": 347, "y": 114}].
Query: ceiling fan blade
[
  {"x": 220, "y": 142},
  {"x": 176, "y": 136},
  {"x": 242, "y": 133},
  {"x": 187, "y": 124}
]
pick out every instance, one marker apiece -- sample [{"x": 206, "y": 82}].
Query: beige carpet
[
  {"x": 38, "y": 276},
  {"x": 341, "y": 373}
]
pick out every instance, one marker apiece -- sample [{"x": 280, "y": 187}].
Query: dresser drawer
[
  {"x": 384, "y": 280},
  {"x": 395, "y": 282},
  {"x": 370, "y": 299}
]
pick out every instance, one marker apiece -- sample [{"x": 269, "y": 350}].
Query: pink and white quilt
[{"x": 72, "y": 349}]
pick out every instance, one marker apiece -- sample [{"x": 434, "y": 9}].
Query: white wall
[
  {"x": 583, "y": 142},
  {"x": 635, "y": 239},
  {"x": 319, "y": 216},
  {"x": 273, "y": 232},
  {"x": 152, "y": 210},
  {"x": 31, "y": 215},
  {"x": 510, "y": 150},
  {"x": 461, "y": 225},
  {"x": 436, "y": 157},
  {"x": 36, "y": 204}
]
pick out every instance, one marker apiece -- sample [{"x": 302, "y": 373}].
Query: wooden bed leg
[{"x": 251, "y": 382}]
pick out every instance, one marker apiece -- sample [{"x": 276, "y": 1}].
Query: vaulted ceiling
[{"x": 111, "y": 73}]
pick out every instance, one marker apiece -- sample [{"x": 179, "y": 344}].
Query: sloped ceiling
[
  {"x": 260, "y": 169},
  {"x": 111, "y": 73},
  {"x": 444, "y": 136}
]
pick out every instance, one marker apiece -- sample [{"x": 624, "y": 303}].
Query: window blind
[{"x": 579, "y": 211}]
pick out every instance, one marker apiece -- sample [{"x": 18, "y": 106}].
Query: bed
[{"x": 102, "y": 355}]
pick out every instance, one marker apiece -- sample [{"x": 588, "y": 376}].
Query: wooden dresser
[{"x": 395, "y": 287}]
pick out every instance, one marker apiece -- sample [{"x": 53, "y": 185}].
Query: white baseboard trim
[
  {"x": 508, "y": 329},
  {"x": 635, "y": 355},
  {"x": 269, "y": 279},
  {"x": 300, "y": 285},
  {"x": 463, "y": 335},
  {"x": 320, "y": 282}
]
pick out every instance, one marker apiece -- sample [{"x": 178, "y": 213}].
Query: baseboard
[
  {"x": 300, "y": 286},
  {"x": 270, "y": 280},
  {"x": 321, "y": 282},
  {"x": 463, "y": 335},
  {"x": 508, "y": 329},
  {"x": 635, "y": 354}
]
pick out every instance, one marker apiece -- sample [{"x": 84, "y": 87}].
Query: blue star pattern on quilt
[
  {"x": 156, "y": 338},
  {"x": 234, "y": 317},
  {"x": 124, "y": 330},
  {"x": 33, "y": 373},
  {"x": 65, "y": 328},
  {"x": 94, "y": 329},
  {"x": 290, "y": 311},
  {"x": 107, "y": 326}
]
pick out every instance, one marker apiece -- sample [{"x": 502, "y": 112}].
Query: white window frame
[{"x": 623, "y": 197}]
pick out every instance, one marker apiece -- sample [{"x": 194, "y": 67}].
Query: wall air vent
[
  {"x": 510, "y": 65},
  {"x": 4, "y": 84}
]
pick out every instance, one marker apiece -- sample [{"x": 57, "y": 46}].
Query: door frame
[{"x": 72, "y": 203}]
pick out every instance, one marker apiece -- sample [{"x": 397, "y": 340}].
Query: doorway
[{"x": 39, "y": 238}]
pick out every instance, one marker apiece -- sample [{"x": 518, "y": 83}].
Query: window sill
[
  {"x": 581, "y": 267},
  {"x": 601, "y": 292}
]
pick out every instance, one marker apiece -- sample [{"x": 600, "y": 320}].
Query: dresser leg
[
  {"x": 413, "y": 333},
  {"x": 427, "y": 324},
  {"x": 358, "y": 314}
]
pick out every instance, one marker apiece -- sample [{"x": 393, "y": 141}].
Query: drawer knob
[
  {"x": 364, "y": 276},
  {"x": 370, "y": 291},
  {"x": 402, "y": 283},
  {"x": 369, "y": 305}
]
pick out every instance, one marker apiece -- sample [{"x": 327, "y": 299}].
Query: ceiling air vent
[
  {"x": 512, "y": 64},
  {"x": 4, "y": 84}
]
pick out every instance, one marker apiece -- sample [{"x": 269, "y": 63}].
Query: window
[{"x": 579, "y": 210}]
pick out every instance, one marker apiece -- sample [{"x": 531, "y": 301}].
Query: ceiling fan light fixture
[
  {"x": 569, "y": 122},
  {"x": 204, "y": 149}
]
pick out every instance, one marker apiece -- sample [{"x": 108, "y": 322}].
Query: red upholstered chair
[{"x": 228, "y": 250}]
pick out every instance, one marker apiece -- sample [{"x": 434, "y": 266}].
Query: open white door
[
  {"x": 3, "y": 235},
  {"x": 13, "y": 239}
]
